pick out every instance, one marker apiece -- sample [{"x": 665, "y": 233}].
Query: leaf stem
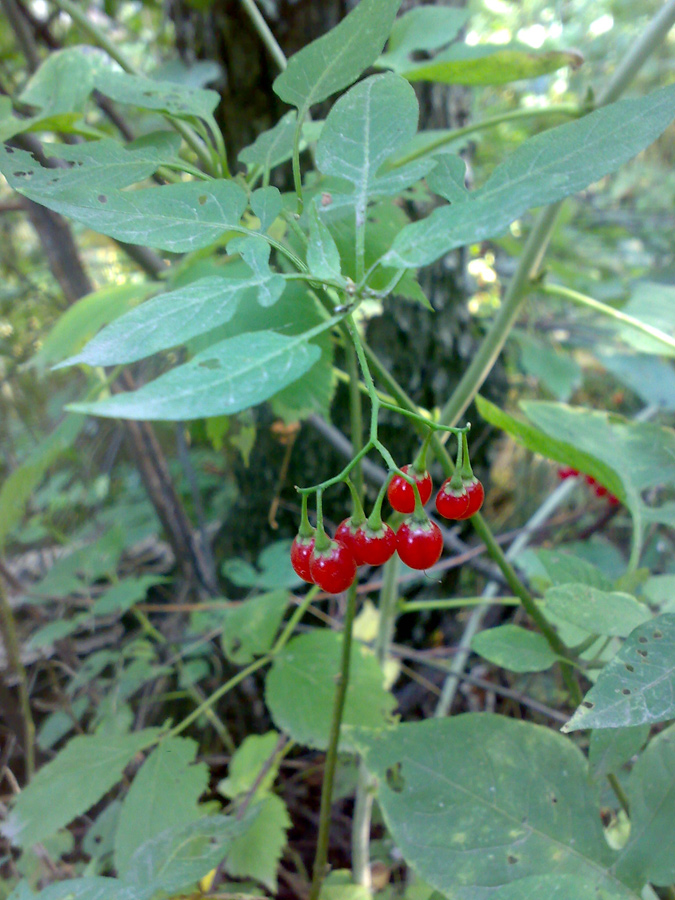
[
  {"x": 265, "y": 33},
  {"x": 321, "y": 858},
  {"x": 408, "y": 606},
  {"x": 355, "y": 414}
]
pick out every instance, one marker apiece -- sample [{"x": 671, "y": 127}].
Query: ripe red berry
[
  {"x": 599, "y": 490},
  {"x": 419, "y": 544},
  {"x": 333, "y": 569},
  {"x": 450, "y": 502},
  {"x": 346, "y": 532},
  {"x": 301, "y": 551},
  {"x": 375, "y": 547},
  {"x": 401, "y": 494},
  {"x": 476, "y": 496},
  {"x": 612, "y": 500},
  {"x": 567, "y": 472}
]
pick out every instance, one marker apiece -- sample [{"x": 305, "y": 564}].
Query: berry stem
[
  {"x": 321, "y": 541},
  {"x": 419, "y": 465},
  {"x": 375, "y": 518},
  {"x": 467, "y": 471},
  {"x": 306, "y": 529},
  {"x": 358, "y": 515}
]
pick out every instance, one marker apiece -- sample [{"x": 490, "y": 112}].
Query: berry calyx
[
  {"x": 375, "y": 547},
  {"x": 452, "y": 500},
  {"x": 419, "y": 544},
  {"x": 301, "y": 551},
  {"x": 346, "y": 533},
  {"x": 401, "y": 494},
  {"x": 334, "y": 568},
  {"x": 476, "y": 494}
]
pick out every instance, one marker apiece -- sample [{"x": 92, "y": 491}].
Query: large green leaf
[
  {"x": 300, "y": 688},
  {"x": 163, "y": 96},
  {"x": 256, "y": 853},
  {"x": 648, "y": 855},
  {"x": 168, "y": 320},
  {"x": 174, "y": 860},
  {"x": 230, "y": 376},
  {"x": 595, "y": 611},
  {"x": 176, "y": 217},
  {"x": 565, "y": 568},
  {"x": 651, "y": 302},
  {"x": 612, "y": 748},
  {"x": 484, "y": 64},
  {"x": 638, "y": 685},
  {"x": 244, "y": 769},
  {"x": 62, "y": 83},
  {"x": 514, "y": 648},
  {"x": 323, "y": 256},
  {"x": 163, "y": 795},
  {"x": 335, "y": 60},
  {"x": 544, "y": 169},
  {"x": 422, "y": 28},
  {"x": 250, "y": 628},
  {"x": 66, "y": 787},
  {"x": 87, "y": 888},
  {"x": 272, "y": 147},
  {"x": 477, "y": 802}
]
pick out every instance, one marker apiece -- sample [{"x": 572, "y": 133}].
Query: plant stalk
[{"x": 10, "y": 639}]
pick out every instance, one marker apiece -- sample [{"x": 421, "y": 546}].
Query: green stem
[
  {"x": 79, "y": 16},
  {"x": 297, "y": 177},
  {"x": 556, "y": 290},
  {"x": 619, "y": 792},
  {"x": 375, "y": 518},
  {"x": 341, "y": 476},
  {"x": 563, "y": 109},
  {"x": 289, "y": 628},
  {"x": 454, "y": 603},
  {"x": 265, "y": 34},
  {"x": 321, "y": 858},
  {"x": 355, "y": 414}
]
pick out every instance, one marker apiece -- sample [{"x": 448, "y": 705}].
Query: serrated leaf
[
  {"x": 163, "y": 96},
  {"x": 637, "y": 686},
  {"x": 514, "y": 648},
  {"x": 266, "y": 204},
  {"x": 363, "y": 129},
  {"x": 250, "y": 628},
  {"x": 336, "y": 59},
  {"x": 612, "y": 748},
  {"x": 651, "y": 792},
  {"x": 545, "y": 168},
  {"x": 323, "y": 256},
  {"x": 256, "y": 853},
  {"x": 66, "y": 787},
  {"x": 164, "y": 794},
  {"x": 246, "y": 764},
  {"x": 174, "y": 860},
  {"x": 300, "y": 688},
  {"x": 595, "y": 611},
  {"x": 477, "y": 802},
  {"x": 423, "y": 28},
  {"x": 228, "y": 377},
  {"x": 484, "y": 64}
]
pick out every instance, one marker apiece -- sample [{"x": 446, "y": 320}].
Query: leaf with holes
[
  {"x": 545, "y": 168},
  {"x": 514, "y": 648},
  {"x": 300, "y": 689},
  {"x": 638, "y": 685},
  {"x": 163, "y": 794},
  {"x": 597, "y": 612},
  {"x": 478, "y": 801},
  {"x": 232, "y": 375},
  {"x": 336, "y": 59},
  {"x": 176, "y": 217},
  {"x": 163, "y": 96}
]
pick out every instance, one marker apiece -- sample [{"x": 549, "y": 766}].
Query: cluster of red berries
[
  {"x": 359, "y": 541},
  {"x": 598, "y": 489}
]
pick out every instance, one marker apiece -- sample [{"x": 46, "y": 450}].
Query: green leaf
[
  {"x": 60, "y": 723},
  {"x": 514, "y": 648},
  {"x": 545, "y": 168},
  {"x": 595, "y": 611},
  {"x": 89, "y": 888},
  {"x": 122, "y": 596},
  {"x": 62, "y": 83},
  {"x": 274, "y": 569},
  {"x": 169, "y": 319},
  {"x": 163, "y": 96},
  {"x": 300, "y": 689},
  {"x": 448, "y": 179},
  {"x": 484, "y": 64},
  {"x": 266, "y": 204},
  {"x": 273, "y": 147},
  {"x": 256, "y": 853},
  {"x": 650, "y": 377},
  {"x": 164, "y": 794},
  {"x": 98, "y": 165},
  {"x": 423, "y": 28},
  {"x": 363, "y": 129},
  {"x": 648, "y": 854},
  {"x": 323, "y": 256},
  {"x": 558, "y": 373},
  {"x": 250, "y": 627},
  {"x": 226, "y": 378},
  {"x": 565, "y": 568},
  {"x": 246, "y": 764},
  {"x": 652, "y": 303},
  {"x": 66, "y": 787},
  {"x": 255, "y": 251},
  {"x": 660, "y": 591},
  {"x": 612, "y": 748},
  {"x": 82, "y": 320},
  {"x": 335, "y": 60},
  {"x": 478, "y": 801},
  {"x": 638, "y": 685},
  {"x": 554, "y": 887},
  {"x": 176, "y": 217},
  {"x": 174, "y": 860}
]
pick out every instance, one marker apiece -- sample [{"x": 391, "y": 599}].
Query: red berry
[
  {"x": 375, "y": 547},
  {"x": 612, "y": 500},
  {"x": 567, "y": 472},
  {"x": 451, "y": 503},
  {"x": 590, "y": 480},
  {"x": 419, "y": 544},
  {"x": 333, "y": 569},
  {"x": 346, "y": 532},
  {"x": 599, "y": 490},
  {"x": 476, "y": 496},
  {"x": 301, "y": 550},
  {"x": 401, "y": 494}
]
